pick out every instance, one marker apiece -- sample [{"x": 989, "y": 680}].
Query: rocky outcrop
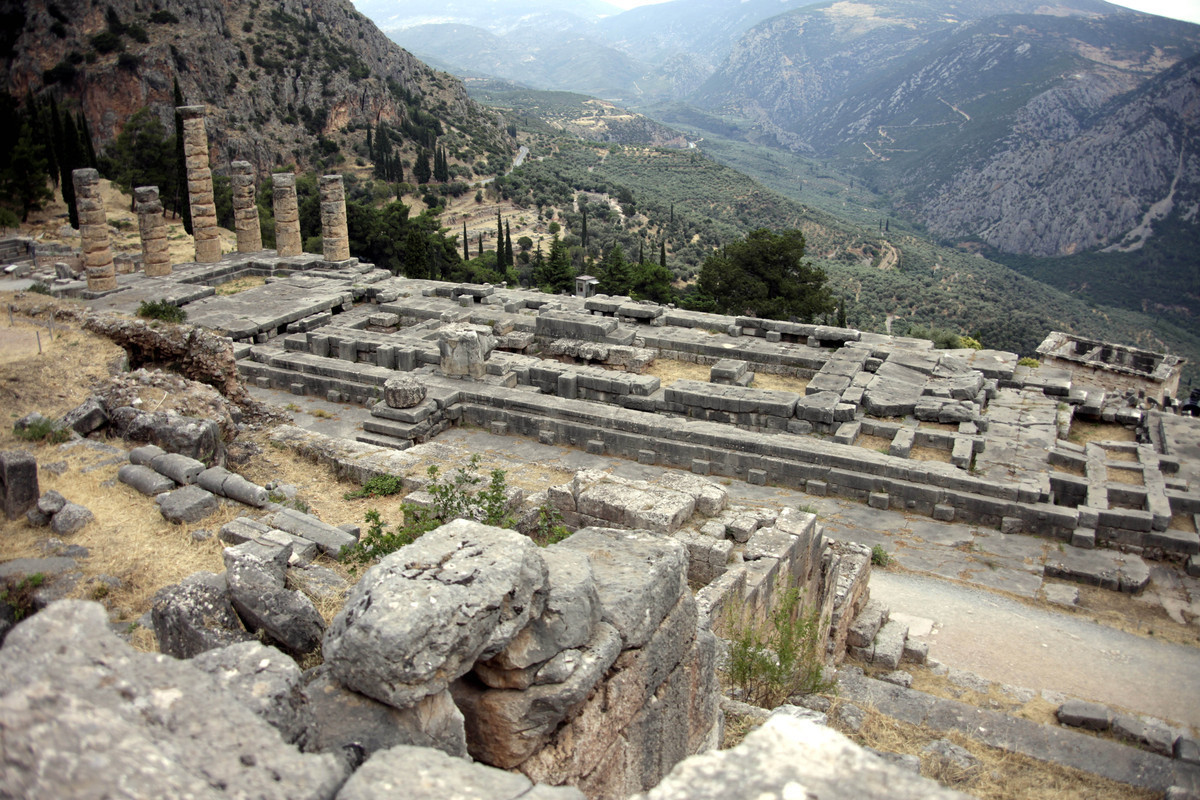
[
  {"x": 274, "y": 79},
  {"x": 86, "y": 715}
]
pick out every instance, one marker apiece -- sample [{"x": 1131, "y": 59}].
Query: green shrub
[
  {"x": 1029, "y": 362},
  {"x": 549, "y": 528},
  {"x": 42, "y": 430},
  {"x": 455, "y": 497},
  {"x": 162, "y": 310},
  {"x": 40, "y": 287},
  {"x": 880, "y": 557},
  {"x": 19, "y": 594},
  {"x": 773, "y": 662},
  {"x": 378, "y": 486}
]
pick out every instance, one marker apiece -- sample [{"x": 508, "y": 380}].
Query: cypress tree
[
  {"x": 72, "y": 160},
  {"x": 481, "y": 245},
  {"x": 583, "y": 233},
  {"x": 500, "y": 265},
  {"x": 466, "y": 243},
  {"x": 508, "y": 251},
  {"x": 370, "y": 145},
  {"x": 89, "y": 148},
  {"x": 662, "y": 255},
  {"x": 183, "y": 201}
]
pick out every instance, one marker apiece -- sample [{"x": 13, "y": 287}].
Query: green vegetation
[
  {"x": 378, "y": 486},
  {"x": 880, "y": 557},
  {"x": 764, "y": 275},
  {"x": 42, "y": 430},
  {"x": 163, "y": 310},
  {"x": 18, "y": 594},
  {"x": 770, "y": 663},
  {"x": 549, "y": 527},
  {"x": 456, "y": 497},
  {"x": 40, "y": 287},
  {"x": 1029, "y": 362}
]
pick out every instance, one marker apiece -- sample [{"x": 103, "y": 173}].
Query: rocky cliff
[{"x": 284, "y": 82}]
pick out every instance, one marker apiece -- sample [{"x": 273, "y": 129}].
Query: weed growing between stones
[
  {"x": 378, "y": 486},
  {"x": 770, "y": 663},
  {"x": 18, "y": 594},
  {"x": 41, "y": 430},
  {"x": 549, "y": 527},
  {"x": 161, "y": 310},
  {"x": 880, "y": 557}
]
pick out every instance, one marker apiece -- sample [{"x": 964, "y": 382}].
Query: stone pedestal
[
  {"x": 156, "y": 250},
  {"x": 93, "y": 230},
  {"x": 200, "y": 187},
  {"x": 287, "y": 215},
  {"x": 335, "y": 235},
  {"x": 245, "y": 211},
  {"x": 464, "y": 351}
]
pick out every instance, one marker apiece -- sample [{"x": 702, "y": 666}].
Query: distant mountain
[
  {"x": 294, "y": 81},
  {"x": 496, "y": 16},
  {"x": 1039, "y": 133}
]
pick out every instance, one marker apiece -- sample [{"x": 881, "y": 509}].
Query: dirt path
[{"x": 1010, "y": 642}]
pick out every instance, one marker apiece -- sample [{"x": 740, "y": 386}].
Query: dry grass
[
  {"x": 668, "y": 371},
  {"x": 779, "y": 383},
  {"x": 938, "y": 426},
  {"x": 1079, "y": 471},
  {"x": 1137, "y": 615},
  {"x": 919, "y": 453},
  {"x": 1087, "y": 432},
  {"x": 1000, "y": 776},
  {"x": 870, "y": 442},
  {"x": 1113, "y": 454},
  {"x": 736, "y": 728},
  {"x": 1129, "y": 477},
  {"x": 1183, "y": 522},
  {"x": 241, "y": 285}
]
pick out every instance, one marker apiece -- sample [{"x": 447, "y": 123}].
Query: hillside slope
[{"x": 284, "y": 82}]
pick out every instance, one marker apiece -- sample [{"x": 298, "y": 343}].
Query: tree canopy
[{"x": 764, "y": 275}]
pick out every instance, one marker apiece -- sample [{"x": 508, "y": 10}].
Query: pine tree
[
  {"x": 466, "y": 243},
  {"x": 72, "y": 160},
  {"x": 618, "y": 276},
  {"x": 182, "y": 201},
  {"x": 508, "y": 248}
]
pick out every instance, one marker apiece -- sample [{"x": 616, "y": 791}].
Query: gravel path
[{"x": 1003, "y": 640}]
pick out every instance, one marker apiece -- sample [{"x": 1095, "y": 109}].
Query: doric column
[
  {"x": 245, "y": 212},
  {"x": 93, "y": 228},
  {"x": 334, "y": 233},
  {"x": 156, "y": 250},
  {"x": 200, "y": 187},
  {"x": 287, "y": 215}
]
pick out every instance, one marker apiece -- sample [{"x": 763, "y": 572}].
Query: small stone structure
[
  {"x": 1112, "y": 366},
  {"x": 156, "y": 249},
  {"x": 334, "y": 234},
  {"x": 200, "y": 186},
  {"x": 93, "y": 229},
  {"x": 464, "y": 350},
  {"x": 288, "y": 241},
  {"x": 245, "y": 211}
]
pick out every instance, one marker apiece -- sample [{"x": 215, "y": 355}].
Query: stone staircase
[{"x": 875, "y": 638}]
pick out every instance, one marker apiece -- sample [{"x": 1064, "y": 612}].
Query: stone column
[
  {"x": 334, "y": 233},
  {"x": 200, "y": 188},
  {"x": 93, "y": 229},
  {"x": 156, "y": 250},
  {"x": 287, "y": 215},
  {"x": 245, "y": 211}
]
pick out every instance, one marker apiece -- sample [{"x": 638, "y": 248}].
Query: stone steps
[{"x": 875, "y": 638}]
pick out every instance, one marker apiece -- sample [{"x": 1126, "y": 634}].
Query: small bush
[
  {"x": 19, "y": 594},
  {"x": 549, "y": 528},
  {"x": 107, "y": 42},
  {"x": 42, "y": 430},
  {"x": 880, "y": 557},
  {"x": 40, "y": 287},
  {"x": 773, "y": 662},
  {"x": 379, "y": 486},
  {"x": 1029, "y": 362},
  {"x": 161, "y": 310},
  {"x": 164, "y": 18}
]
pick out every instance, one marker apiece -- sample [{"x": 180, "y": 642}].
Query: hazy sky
[{"x": 1179, "y": 9}]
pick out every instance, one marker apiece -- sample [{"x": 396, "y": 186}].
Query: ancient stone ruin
[{"x": 588, "y": 667}]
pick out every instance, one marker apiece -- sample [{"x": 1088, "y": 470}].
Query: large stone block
[
  {"x": 196, "y": 615},
  {"x": 85, "y": 715},
  {"x": 18, "y": 482},
  {"x": 425, "y": 614}
]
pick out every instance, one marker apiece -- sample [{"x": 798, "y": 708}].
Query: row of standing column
[{"x": 156, "y": 257}]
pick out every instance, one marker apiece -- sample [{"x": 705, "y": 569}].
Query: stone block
[
  {"x": 878, "y": 500},
  {"x": 196, "y": 615},
  {"x": 18, "y": 482},
  {"x": 889, "y": 644},
  {"x": 144, "y": 479},
  {"x": 1083, "y": 538},
  {"x": 595, "y": 447},
  {"x": 943, "y": 512},
  {"x": 816, "y": 488},
  {"x": 1081, "y": 714},
  {"x": 187, "y": 504},
  {"x": 700, "y": 466},
  {"x": 331, "y": 540},
  {"x": 867, "y": 624},
  {"x": 647, "y": 457},
  {"x": 70, "y": 518},
  {"x": 757, "y": 477}
]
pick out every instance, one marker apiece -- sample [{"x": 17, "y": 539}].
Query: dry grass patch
[
  {"x": 241, "y": 284},
  {"x": 1129, "y": 477},
  {"x": 1087, "y": 432},
  {"x": 1001, "y": 775},
  {"x": 922, "y": 453},
  {"x": 872, "y": 442},
  {"x": 1077, "y": 471},
  {"x": 668, "y": 371},
  {"x": 1183, "y": 522},
  {"x": 1143, "y": 616},
  {"x": 1113, "y": 454},
  {"x": 938, "y": 426},
  {"x": 779, "y": 383}
]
